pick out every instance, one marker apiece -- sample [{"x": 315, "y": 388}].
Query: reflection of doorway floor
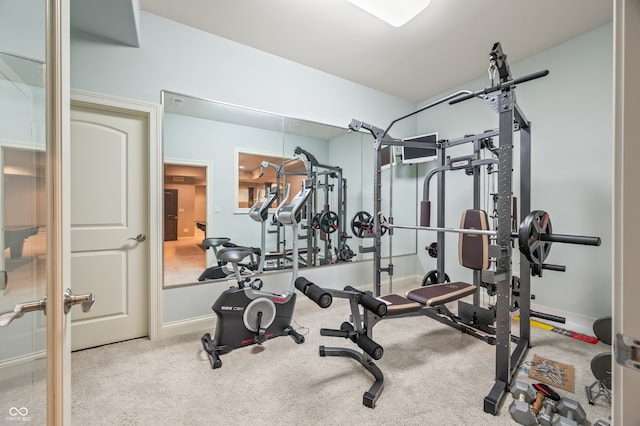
[
  {"x": 184, "y": 259},
  {"x": 26, "y": 276}
]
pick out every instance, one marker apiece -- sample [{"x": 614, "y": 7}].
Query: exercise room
[{"x": 319, "y": 213}]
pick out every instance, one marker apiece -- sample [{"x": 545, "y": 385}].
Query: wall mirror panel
[{"x": 252, "y": 155}]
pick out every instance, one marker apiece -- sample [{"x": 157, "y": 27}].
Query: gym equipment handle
[
  {"x": 369, "y": 302},
  {"x": 365, "y": 343},
  {"x": 571, "y": 239},
  {"x": 547, "y": 317},
  {"x": 501, "y": 86},
  {"x": 319, "y": 295},
  {"x": 334, "y": 333},
  {"x": 552, "y": 267}
]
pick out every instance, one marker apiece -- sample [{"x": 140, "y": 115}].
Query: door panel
[{"x": 109, "y": 209}]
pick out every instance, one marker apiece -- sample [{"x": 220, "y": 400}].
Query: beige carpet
[{"x": 434, "y": 375}]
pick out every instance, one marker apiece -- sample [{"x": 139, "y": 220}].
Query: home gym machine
[
  {"x": 246, "y": 315},
  {"x": 328, "y": 221},
  {"x": 281, "y": 258},
  {"x": 490, "y": 256}
]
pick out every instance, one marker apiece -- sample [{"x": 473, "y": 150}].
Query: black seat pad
[{"x": 438, "y": 294}]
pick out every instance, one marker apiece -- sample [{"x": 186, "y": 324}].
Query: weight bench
[
  {"x": 428, "y": 300},
  {"x": 473, "y": 253}
]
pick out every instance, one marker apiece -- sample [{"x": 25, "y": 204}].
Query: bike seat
[
  {"x": 234, "y": 254},
  {"x": 214, "y": 242}
]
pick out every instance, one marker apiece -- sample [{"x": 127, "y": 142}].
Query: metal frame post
[
  {"x": 503, "y": 262},
  {"x": 440, "y": 214},
  {"x": 377, "y": 208}
]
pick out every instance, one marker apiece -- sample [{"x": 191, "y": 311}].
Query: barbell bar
[{"x": 534, "y": 235}]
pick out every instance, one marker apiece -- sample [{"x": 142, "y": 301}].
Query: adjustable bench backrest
[
  {"x": 473, "y": 253},
  {"x": 473, "y": 249}
]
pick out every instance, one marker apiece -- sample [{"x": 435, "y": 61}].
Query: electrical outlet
[{"x": 185, "y": 230}]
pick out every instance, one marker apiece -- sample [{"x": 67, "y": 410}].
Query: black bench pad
[
  {"x": 438, "y": 294},
  {"x": 398, "y": 305}
]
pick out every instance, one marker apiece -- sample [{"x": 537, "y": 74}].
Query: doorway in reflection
[
  {"x": 185, "y": 222},
  {"x": 23, "y": 219}
]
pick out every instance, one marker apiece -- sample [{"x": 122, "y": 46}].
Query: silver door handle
[
  {"x": 21, "y": 309},
  {"x": 86, "y": 300},
  {"x": 141, "y": 238}
]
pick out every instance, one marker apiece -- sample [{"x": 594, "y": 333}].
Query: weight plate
[
  {"x": 534, "y": 225},
  {"x": 384, "y": 228},
  {"x": 329, "y": 222},
  {"x": 602, "y": 329},
  {"x": 432, "y": 249},
  {"x": 434, "y": 277},
  {"x": 601, "y": 368},
  {"x": 361, "y": 224},
  {"x": 315, "y": 221}
]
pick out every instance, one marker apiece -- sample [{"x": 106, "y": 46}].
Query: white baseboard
[
  {"x": 24, "y": 364},
  {"x": 187, "y": 326},
  {"x": 575, "y": 322}
]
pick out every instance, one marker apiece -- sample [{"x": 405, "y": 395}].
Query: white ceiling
[{"x": 444, "y": 46}]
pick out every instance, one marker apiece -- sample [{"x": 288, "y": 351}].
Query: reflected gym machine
[{"x": 329, "y": 221}]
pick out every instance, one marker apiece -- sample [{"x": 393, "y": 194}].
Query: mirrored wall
[{"x": 244, "y": 156}]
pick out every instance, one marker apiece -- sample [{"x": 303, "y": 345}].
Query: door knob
[
  {"x": 21, "y": 309},
  {"x": 86, "y": 300},
  {"x": 141, "y": 238}
]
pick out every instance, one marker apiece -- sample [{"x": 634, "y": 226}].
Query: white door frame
[
  {"x": 626, "y": 203},
  {"x": 153, "y": 114}
]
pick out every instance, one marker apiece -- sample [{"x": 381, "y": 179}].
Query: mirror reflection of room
[
  {"x": 254, "y": 154},
  {"x": 24, "y": 216},
  {"x": 185, "y": 221}
]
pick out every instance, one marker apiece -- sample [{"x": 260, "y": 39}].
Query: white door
[{"x": 109, "y": 223}]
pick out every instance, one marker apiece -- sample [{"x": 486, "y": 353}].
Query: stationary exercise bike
[{"x": 246, "y": 315}]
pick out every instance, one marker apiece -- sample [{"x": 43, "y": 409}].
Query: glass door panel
[{"x": 23, "y": 217}]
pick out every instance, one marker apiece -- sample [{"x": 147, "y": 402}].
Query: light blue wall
[
  {"x": 571, "y": 114},
  {"x": 22, "y": 28},
  {"x": 185, "y": 60},
  {"x": 570, "y": 110}
]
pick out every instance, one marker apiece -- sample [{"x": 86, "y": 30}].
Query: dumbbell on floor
[
  {"x": 525, "y": 407},
  {"x": 571, "y": 413},
  {"x": 546, "y": 416}
]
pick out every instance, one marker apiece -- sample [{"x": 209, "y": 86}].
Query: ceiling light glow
[{"x": 394, "y": 12}]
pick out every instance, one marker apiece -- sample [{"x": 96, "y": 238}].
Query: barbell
[{"x": 534, "y": 234}]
